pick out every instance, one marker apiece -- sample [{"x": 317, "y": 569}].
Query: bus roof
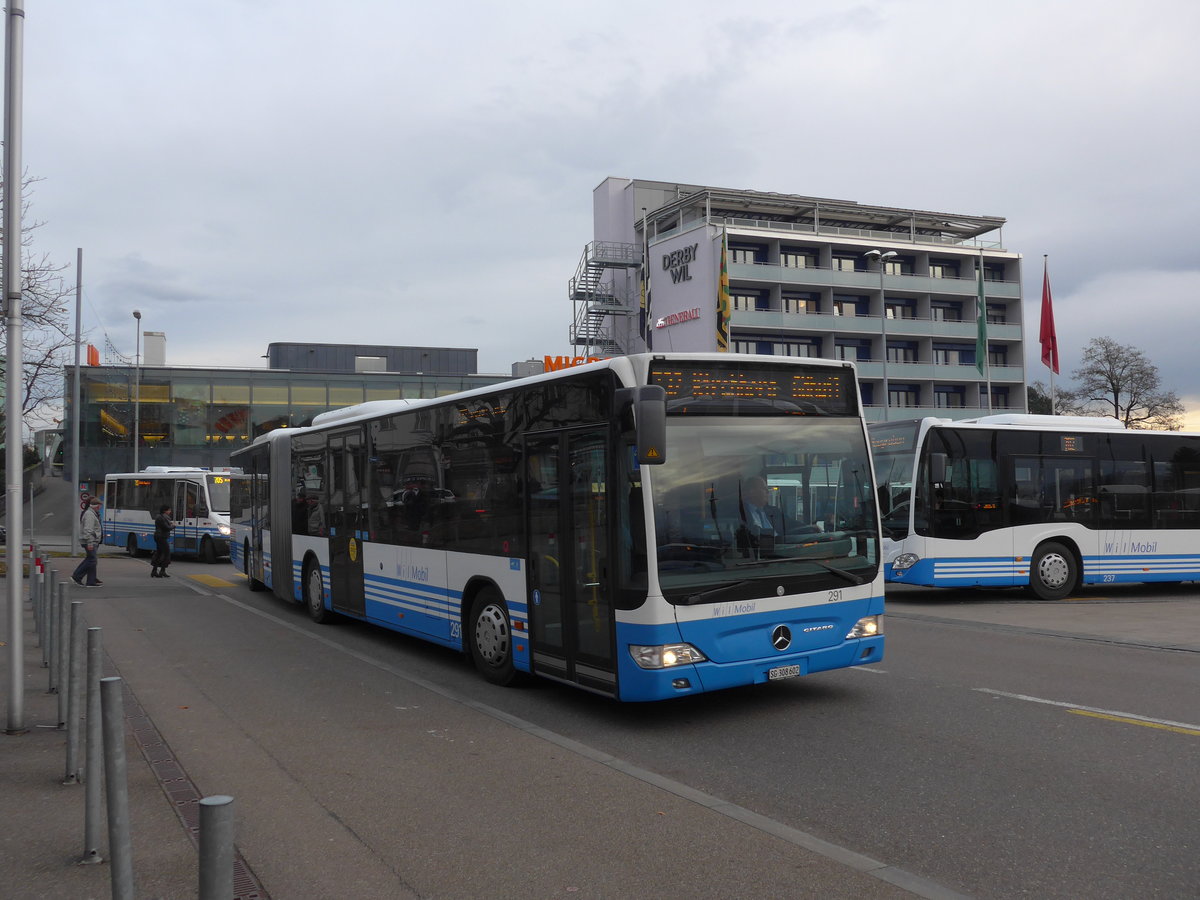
[{"x": 1028, "y": 420}]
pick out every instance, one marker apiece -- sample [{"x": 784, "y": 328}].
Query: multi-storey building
[{"x": 895, "y": 290}]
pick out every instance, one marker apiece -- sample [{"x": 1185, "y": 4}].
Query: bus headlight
[
  {"x": 664, "y": 656},
  {"x": 225, "y": 530},
  {"x": 904, "y": 561},
  {"x": 868, "y": 626}
]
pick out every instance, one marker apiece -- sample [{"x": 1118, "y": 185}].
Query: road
[{"x": 990, "y": 759}]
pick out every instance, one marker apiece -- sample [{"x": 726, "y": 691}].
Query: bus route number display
[{"x": 795, "y": 390}]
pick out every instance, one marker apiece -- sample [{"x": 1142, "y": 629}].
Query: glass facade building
[{"x": 197, "y": 417}]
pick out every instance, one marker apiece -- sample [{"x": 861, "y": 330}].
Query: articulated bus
[
  {"x": 1044, "y": 502},
  {"x": 199, "y": 500},
  {"x": 588, "y": 525}
]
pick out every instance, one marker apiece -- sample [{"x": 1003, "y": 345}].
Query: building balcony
[
  {"x": 818, "y": 277},
  {"x": 823, "y": 323}
]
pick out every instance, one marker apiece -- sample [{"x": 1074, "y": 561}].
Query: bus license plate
[{"x": 783, "y": 672}]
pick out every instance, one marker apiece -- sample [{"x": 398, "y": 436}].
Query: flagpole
[{"x": 981, "y": 345}]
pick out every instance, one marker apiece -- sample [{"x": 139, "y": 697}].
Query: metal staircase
[{"x": 598, "y": 297}]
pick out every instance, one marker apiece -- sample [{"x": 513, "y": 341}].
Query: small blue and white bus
[
  {"x": 590, "y": 525},
  {"x": 199, "y": 499},
  {"x": 1044, "y": 502}
]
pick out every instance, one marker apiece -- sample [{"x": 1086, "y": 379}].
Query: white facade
[{"x": 802, "y": 283}]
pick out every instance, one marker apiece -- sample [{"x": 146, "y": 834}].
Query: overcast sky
[{"x": 380, "y": 171}]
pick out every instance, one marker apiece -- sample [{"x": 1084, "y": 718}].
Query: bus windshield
[
  {"x": 743, "y": 499},
  {"x": 894, "y": 449},
  {"x": 218, "y": 493}
]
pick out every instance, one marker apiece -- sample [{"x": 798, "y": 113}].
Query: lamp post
[
  {"x": 137, "y": 386},
  {"x": 881, "y": 257}
]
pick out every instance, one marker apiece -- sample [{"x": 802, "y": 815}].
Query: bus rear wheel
[
  {"x": 314, "y": 594},
  {"x": 489, "y": 631},
  {"x": 253, "y": 583},
  {"x": 1054, "y": 572}
]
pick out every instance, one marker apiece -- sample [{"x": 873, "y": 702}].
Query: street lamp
[
  {"x": 137, "y": 386},
  {"x": 881, "y": 257}
]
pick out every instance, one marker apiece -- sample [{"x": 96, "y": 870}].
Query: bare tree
[
  {"x": 1066, "y": 400},
  {"x": 46, "y": 330},
  {"x": 1119, "y": 381}
]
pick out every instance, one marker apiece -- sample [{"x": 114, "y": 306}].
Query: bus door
[
  {"x": 187, "y": 533},
  {"x": 570, "y": 557},
  {"x": 347, "y": 521}
]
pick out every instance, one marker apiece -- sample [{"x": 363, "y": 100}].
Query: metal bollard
[
  {"x": 120, "y": 847},
  {"x": 61, "y": 643},
  {"x": 74, "y": 692},
  {"x": 33, "y": 597},
  {"x": 36, "y": 585},
  {"x": 93, "y": 775},
  {"x": 51, "y": 634},
  {"x": 216, "y": 848}
]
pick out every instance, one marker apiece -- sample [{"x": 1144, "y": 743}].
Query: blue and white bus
[
  {"x": 199, "y": 499},
  {"x": 1044, "y": 502},
  {"x": 588, "y": 525}
]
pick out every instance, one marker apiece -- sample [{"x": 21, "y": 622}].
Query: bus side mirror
[
  {"x": 937, "y": 468},
  {"x": 649, "y": 405}
]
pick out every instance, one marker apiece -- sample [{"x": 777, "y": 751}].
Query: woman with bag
[{"x": 162, "y": 543}]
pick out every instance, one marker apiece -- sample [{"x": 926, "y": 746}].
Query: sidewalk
[{"x": 502, "y": 810}]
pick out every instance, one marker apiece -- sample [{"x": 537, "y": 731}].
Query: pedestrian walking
[
  {"x": 90, "y": 532},
  {"x": 162, "y": 543}
]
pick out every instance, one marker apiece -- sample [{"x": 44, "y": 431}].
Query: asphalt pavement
[{"x": 645, "y": 835}]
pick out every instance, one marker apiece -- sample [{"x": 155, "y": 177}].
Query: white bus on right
[{"x": 1047, "y": 502}]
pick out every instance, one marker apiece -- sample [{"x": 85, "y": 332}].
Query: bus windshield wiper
[
  {"x": 713, "y": 593},
  {"x": 849, "y": 576}
]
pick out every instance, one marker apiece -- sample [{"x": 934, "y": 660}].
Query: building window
[
  {"x": 993, "y": 271},
  {"x": 796, "y": 348},
  {"x": 1000, "y": 398},
  {"x": 902, "y": 352},
  {"x": 904, "y": 395},
  {"x": 846, "y": 351},
  {"x": 997, "y": 314},
  {"x": 953, "y": 355},
  {"x": 799, "y": 303},
  {"x": 849, "y": 306},
  {"x": 949, "y": 397},
  {"x": 997, "y": 356},
  {"x": 900, "y": 266},
  {"x": 943, "y": 268},
  {"x": 945, "y": 311},
  {"x": 845, "y": 263},
  {"x": 753, "y": 301},
  {"x": 797, "y": 259},
  {"x": 745, "y": 347},
  {"x": 746, "y": 254},
  {"x": 900, "y": 309}
]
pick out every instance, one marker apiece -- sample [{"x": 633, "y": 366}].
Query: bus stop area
[
  {"x": 542, "y": 817},
  {"x": 505, "y": 810}
]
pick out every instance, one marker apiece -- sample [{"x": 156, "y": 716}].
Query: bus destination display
[{"x": 774, "y": 390}]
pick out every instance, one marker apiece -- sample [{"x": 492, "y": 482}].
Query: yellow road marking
[
  {"x": 212, "y": 580},
  {"x": 1174, "y": 728}
]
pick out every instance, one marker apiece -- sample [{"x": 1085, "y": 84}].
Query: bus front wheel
[
  {"x": 208, "y": 551},
  {"x": 1054, "y": 572},
  {"x": 489, "y": 631},
  {"x": 131, "y": 546},
  {"x": 314, "y": 594}
]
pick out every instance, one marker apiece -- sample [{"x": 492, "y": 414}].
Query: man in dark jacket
[{"x": 162, "y": 543}]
